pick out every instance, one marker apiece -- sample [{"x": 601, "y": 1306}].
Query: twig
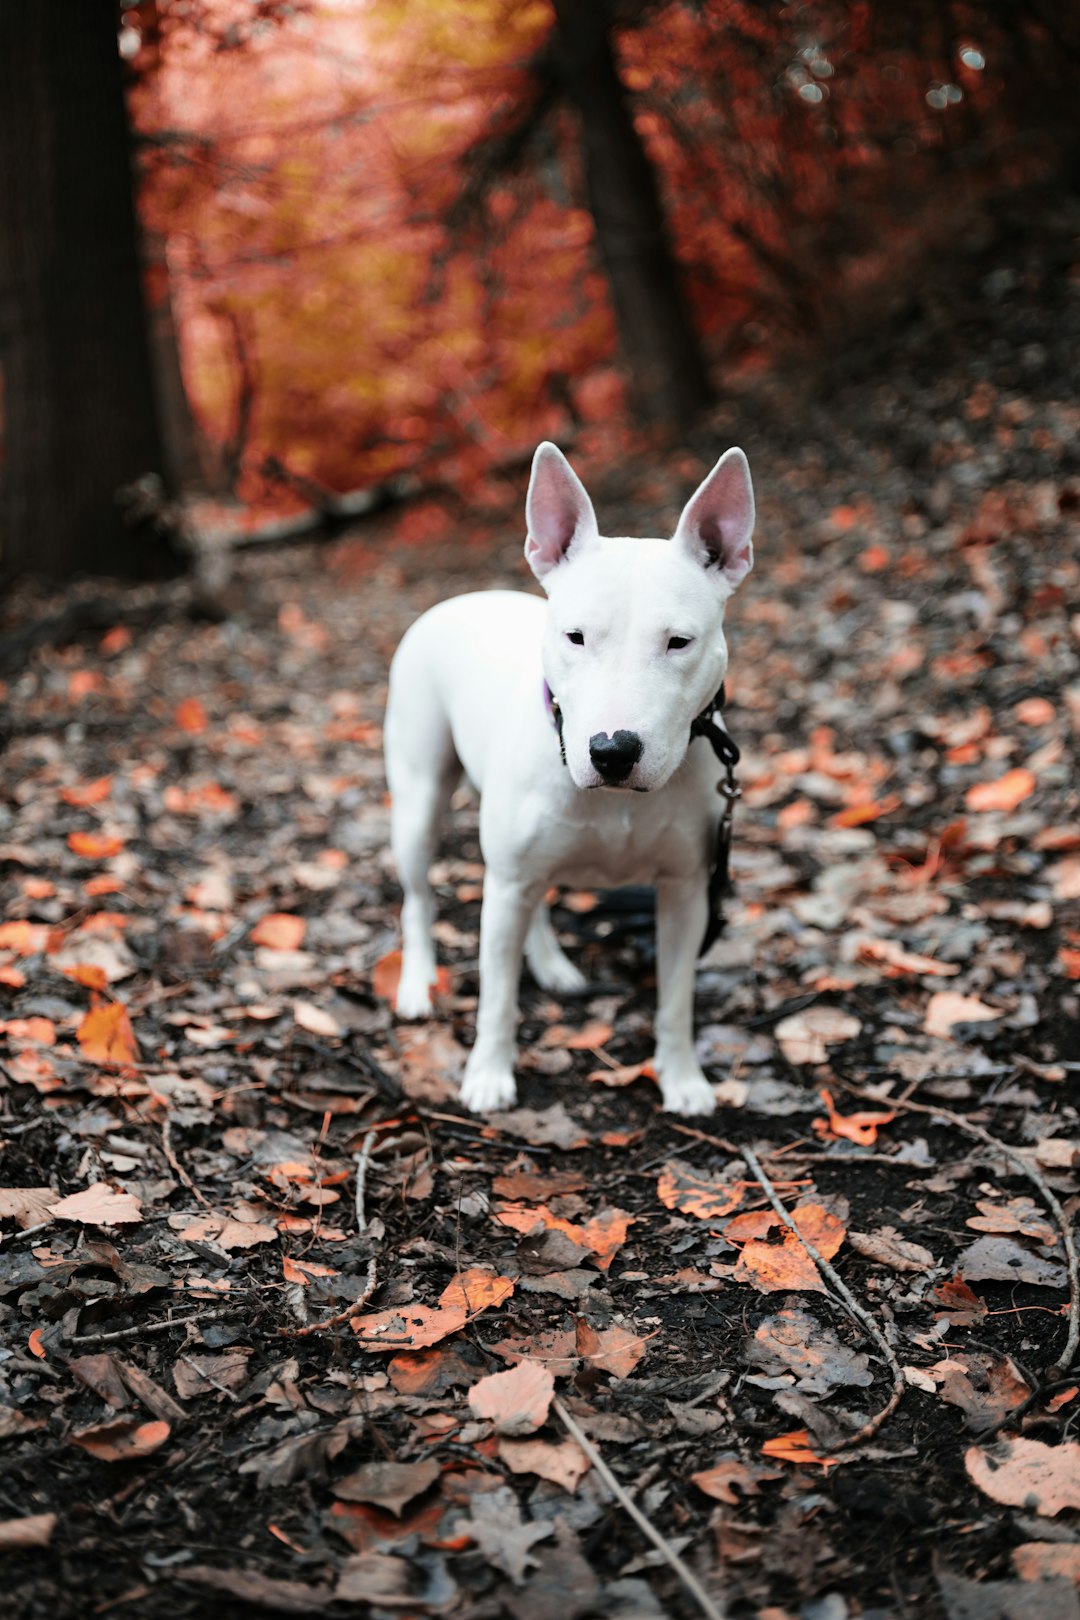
[
  {"x": 340, "y": 1316},
  {"x": 170, "y": 1154},
  {"x": 1037, "y": 1179},
  {"x": 701, "y": 1136},
  {"x": 851, "y": 1304},
  {"x": 142, "y": 1328},
  {"x": 363, "y": 1159},
  {"x": 705, "y": 1603}
]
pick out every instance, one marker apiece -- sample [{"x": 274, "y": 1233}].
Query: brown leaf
[
  {"x": 531, "y": 1186},
  {"x": 773, "y": 1267},
  {"x": 567, "y": 1039},
  {"x": 730, "y": 1479},
  {"x": 248, "y": 1586},
  {"x": 947, "y": 1008},
  {"x": 1028, "y": 1474},
  {"x": 279, "y": 931},
  {"x": 614, "y": 1350},
  {"x": 436, "y": 1370},
  {"x": 1000, "y": 1259},
  {"x": 1047, "y": 1561},
  {"x": 196, "y": 1374},
  {"x": 888, "y": 1248},
  {"x": 224, "y": 1232},
  {"x": 35, "y": 1530},
  {"x": 516, "y": 1401},
  {"x": 122, "y": 1439},
  {"x": 806, "y": 1036},
  {"x": 99, "y": 1205},
  {"x": 563, "y": 1463},
  {"x": 316, "y": 1020},
  {"x": 29, "y": 1206},
  {"x": 389, "y": 1485}
]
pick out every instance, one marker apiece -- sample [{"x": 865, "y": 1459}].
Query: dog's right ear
[{"x": 558, "y": 511}]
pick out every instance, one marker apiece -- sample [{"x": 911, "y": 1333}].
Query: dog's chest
[{"x": 612, "y": 838}]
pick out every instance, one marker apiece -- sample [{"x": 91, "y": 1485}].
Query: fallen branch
[
  {"x": 704, "y": 1602},
  {"x": 850, "y": 1303},
  {"x": 1033, "y": 1175},
  {"x": 363, "y": 1159},
  {"x": 339, "y": 1316}
]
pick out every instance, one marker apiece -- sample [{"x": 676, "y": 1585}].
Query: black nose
[{"x": 615, "y": 757}]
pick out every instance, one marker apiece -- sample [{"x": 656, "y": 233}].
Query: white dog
[{"x": 573, "y": 721}]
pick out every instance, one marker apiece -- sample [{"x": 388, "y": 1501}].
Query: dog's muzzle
[{"x": 615, "y": 757}]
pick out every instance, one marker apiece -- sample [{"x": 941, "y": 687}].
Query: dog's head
[{"x": 634, "y": 645}]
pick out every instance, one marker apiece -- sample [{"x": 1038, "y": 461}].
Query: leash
[{"x": 710, "y": 725}]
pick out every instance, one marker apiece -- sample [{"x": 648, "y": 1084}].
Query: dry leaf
[
  {"x": 225, "y": 1232},
  {"x": 1048, "y": 1561},
  {"x": 122, "y": 1439},
  {"x": 1028, "y": 1474},
  {"x": 106, "y": 1036},
  {"x": 888, "y": 1248},
  {"x": 858, "y": 1127},
  {"x": 773, "y": 1267},
  {"x": 279, "y": 931},
  {"x": 98, "y": 1205},
  {"x": 947, "y": 1008},
  {"x": 477, "y": 1289},
  {"x": 94, "y": 846},
  {"x": 730, "y": 1479},
  {"x": 795, "y": 1447},
  {"x": 191, "y": 716},
  {"x": 516, "y": 1401},
  {"x": 896, "y": 960},
  {"x": 408, "y": 1326},
  {"x": 563, "y": 1463},
  {"x": 35, "y": 1530},
  {"x": 388, "y": 1485},
  {"x": 29, "y": 1206},
  {"x": 694, "y": 1192},
  {"x": 613, "y": 1350},
  {"x": 315, "y": 1019},
  {"x": 576, "y": 1040},
  {"x": 806, "y": 1036},
  {"x": 1004, "y": 794}
]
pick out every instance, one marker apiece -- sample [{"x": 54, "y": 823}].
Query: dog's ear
[
  {"x": 718, "y": 521},
  {"x": 558, "y": 511}
]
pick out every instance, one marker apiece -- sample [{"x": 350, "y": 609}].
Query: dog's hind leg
[
  {"x": 547, "y": 961},
  {"x": 422, "y": 770}
]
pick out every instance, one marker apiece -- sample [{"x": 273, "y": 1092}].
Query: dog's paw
[
  {"x": 414, "y": 995},
  {"x": 687, "y": 1094},
  {"x": 488, "y": 1090},
  {"x": 555, "y": 972}
]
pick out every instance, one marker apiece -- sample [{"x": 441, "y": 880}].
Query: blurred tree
[{"x": 80, "y": 415}]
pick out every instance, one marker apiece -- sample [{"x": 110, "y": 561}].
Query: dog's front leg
[
  {"x": 504, "y": 921},
  {"x": 681, "y": 914}
]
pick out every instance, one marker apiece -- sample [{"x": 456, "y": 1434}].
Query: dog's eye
[
  {"x": 677, "y": 643},
  {"x": 577, "y": 637}
]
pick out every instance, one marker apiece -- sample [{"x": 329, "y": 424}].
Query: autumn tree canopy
[{"x": 416, "y": 235}]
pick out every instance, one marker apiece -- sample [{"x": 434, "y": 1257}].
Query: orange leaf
[
  {"x": 87, "y": 793},
  {"x": 94, "y": 846},
  {"x": 106, "y": 1035},
  {"x": 35, "y": 1345},
  {"x": 1034, "y": 711},
  {"x": 577, "y": 1040},
  {"x": 693, "y": 1192},
  {"x": 40, "y": 1030},
  {"x": 408, "y": 1327},
  {"x": 476, "y": 1289},
  {"x": 88, "y": 974},
  {"x": 191, "y": 716},
  {"x": 98, "y": 1205},
  {"x": 1004, "y": 794},
  {"x": 623, "y": 1074},
  {"x": 104, "y": 883},
  {"x": 773, "y": 1267},
  {"x": 386, "y": 976},
  {"x": 279, "y": 931},
  {"x": 1070, "y": 961},
  {"x": 303, "y": 1271},
  {"x": 13, "y": 977},
  {"x": 121, "y": 1439},
  {"x": 25, "y": 938},
  {"x": 857, "y": 1127},
  {"x": 38, "y": 888},
  {"x": 795, "y": 1447}
]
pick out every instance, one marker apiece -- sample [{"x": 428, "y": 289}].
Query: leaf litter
[{"x": 263, "y": 1399}]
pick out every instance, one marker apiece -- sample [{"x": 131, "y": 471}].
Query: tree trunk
[
  {"x": 660, "y": 347},
  {"x": 80, "y": 418}
]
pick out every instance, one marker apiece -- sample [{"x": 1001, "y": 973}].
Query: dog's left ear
[
  {"x": 717, "y": 524},
  {"x": 558, "y": 510}
]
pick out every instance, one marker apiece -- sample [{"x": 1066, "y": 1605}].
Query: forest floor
[{"x": 282, "y": 1329}]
